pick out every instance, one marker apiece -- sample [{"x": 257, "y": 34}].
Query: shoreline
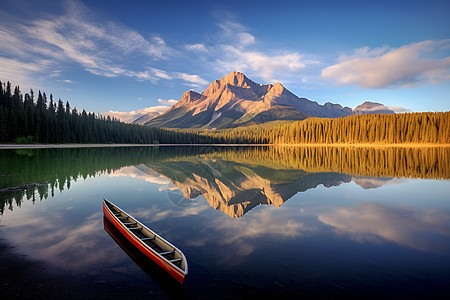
[{"x": 365, "y": 145}]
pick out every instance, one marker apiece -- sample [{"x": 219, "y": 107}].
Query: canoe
[
  {"x": 173, "y": 288},
  {"x": 163, "y": 253}
]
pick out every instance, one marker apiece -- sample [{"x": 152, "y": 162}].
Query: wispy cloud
[
  {"x": 168, "y": 102},
  {"x": 271, "y": 67},
  {"x": 398, "y": 109},
  {"x": 193, "y": 80},
  {"x": 232, "y": 31},
  {"x": 33, "y": 48},
  {"x": 238, "y": 49},
  {"x": 99, "y": 48},
  {"x": 410, "y": 65},
  {"x": 196, "y": 47}
]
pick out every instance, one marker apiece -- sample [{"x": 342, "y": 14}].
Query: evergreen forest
[
  {"x": 24, "y": 119},
  {"x": 405, "y": 128}
]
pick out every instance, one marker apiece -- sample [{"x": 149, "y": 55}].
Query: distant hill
[
  {"x": 372, "y": 108},
  {"x": 235, "y": 101},
  {"x": 145, "y": 118}
]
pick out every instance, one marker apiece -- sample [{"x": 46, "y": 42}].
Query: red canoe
[{"x": 166, "y": 255}]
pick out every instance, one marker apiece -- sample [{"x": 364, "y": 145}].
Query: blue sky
[{"x": 136, "y": 56}]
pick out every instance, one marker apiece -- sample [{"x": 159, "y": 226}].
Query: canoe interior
[{"x": 149, "y": 238}]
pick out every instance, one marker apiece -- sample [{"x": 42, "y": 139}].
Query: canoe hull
[{"x": 167, "y": 266}]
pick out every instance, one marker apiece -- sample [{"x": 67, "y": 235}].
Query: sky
[{"x": 132, "y": 57}]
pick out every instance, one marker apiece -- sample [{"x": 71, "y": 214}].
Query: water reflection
[
  {"x": 235, "y": 188},
  {"x": 422, "y": 229},
  {"x": 335, "y": 220},
  {"x": 233, "y": 180}
]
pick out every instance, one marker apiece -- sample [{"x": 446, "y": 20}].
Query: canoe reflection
[{"x": 155, "y": 272}]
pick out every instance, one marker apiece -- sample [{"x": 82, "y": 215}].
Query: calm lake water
[{"x": 252, "y": 221}]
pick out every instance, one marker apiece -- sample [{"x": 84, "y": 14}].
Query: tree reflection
[{"x": 36, "y": 173}]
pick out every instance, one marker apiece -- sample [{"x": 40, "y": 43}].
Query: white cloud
[
  {"x": 18, "y": 71},
  {"x": 196, "y": 47},
  {"x": 130, "y": 116},
  {"x": 407, "y": 66},
  {"x": 161, "y": 74},
  {"x": 246, "y": 38},
  {"x": 195, "y": 80},
  {"x": 168, "y": 102},
  {"x": 398, "y": 109},
  {"x": 235, "y": 32},
  {"x": 154, "y": 75}
]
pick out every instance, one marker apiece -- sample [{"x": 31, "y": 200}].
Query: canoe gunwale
[{"x": 182, "y": 272}]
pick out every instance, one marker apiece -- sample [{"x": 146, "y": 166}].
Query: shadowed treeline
[{"x": 35, "y": 173}]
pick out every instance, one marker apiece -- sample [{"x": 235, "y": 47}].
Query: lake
[{"x": 291, "y": 222}]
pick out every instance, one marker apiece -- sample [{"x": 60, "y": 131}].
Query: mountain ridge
[{"x": 235, "y": 100}]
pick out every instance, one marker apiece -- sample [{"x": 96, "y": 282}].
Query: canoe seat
[
  {"x": 148, "y": 238},
  {"x": 130, "y": 223},
  {"x": 133, "y": 228},
  {"x": 117, "y": 213},
  {"x": 122, "y": 218},
  {"x": 175, "y": 260},
  {"x": 168, "y": 252}
]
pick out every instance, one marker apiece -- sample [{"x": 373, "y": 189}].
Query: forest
[
  {"x": 24, "y": 119},
  {"x": 405, "y": 128}
]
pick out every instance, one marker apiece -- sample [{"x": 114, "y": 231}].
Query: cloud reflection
[
  {"x": 238, "y": 236},
  {"x": 67, "y": 246},
  {"x": 141, "y": 172},
  {"x": 418, "y": 228}
]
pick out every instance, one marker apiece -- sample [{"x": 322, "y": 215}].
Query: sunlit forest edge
[{"x": 26, "y": 120}]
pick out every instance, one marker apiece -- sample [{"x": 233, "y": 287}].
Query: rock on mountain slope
[{"x": 236, "y": 101}]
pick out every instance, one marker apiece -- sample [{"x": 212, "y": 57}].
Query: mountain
[
  {"x": 235, "y": 100},
  {"x": 145, "y": 118},
  {"x": 372, "y": 108}
]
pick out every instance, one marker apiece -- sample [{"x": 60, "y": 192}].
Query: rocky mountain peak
[
  {"x": 237, "y": 79},
  {"x": 277, "y": 88},
  {"x": 188, "y": 97}
]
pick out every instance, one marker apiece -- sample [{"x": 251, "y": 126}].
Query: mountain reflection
[
  {"x": 234, "y": 182},
  {"x": 232, "y": 179},
  {"x": 235, "y": 188}
]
